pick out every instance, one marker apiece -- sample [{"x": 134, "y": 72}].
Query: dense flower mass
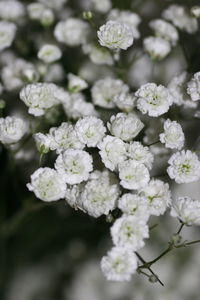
[{"x": 112, "y": 134}]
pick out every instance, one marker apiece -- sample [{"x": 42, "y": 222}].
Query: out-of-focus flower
[
  {"x": 75, "y": 83},
  {"x": 165, "y": 30},
  {"x": 181, "y": 18},
  {"x": 119, "y": 264},
  {"x": 156, "y": 47},
  {"x": 12, "y": 129},
  {"x": 49, "y": 53},
  {"x": 11, "y": 10},
  {"x": 7, "y": 34},
  {"x": 42, "y": 142},
  {"x": 72, "y": 32}
]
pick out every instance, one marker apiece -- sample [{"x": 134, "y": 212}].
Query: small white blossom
[
  {"x": 75, "y": 106},
  {"x": 64, "y": 137},
  {"x": 153, "y": 99},
  {"x": 127, "y": 17},
  {"x": 140, "y": 153},
  {"x": 47, "y": 185},
  {"x": 105, "y": 90},
  {"x": 133, "y": 175},
  {"x": 156, "y": 47},
  {"x": 72, "y": 32},
  {"x": 115, "y": 35},
  {"x": 195, "y": 10},
  {"x": 11, "y": 10},
  {"x": 129, "y": 232},
  {"x": 173, "y": 136},
  {"x": 187, "y": 210},
  {"x": 178, "y": 89},
  {"x": 157, "y": 195},
  {"x": 100, "y": 194},
  {"x": 7, "y": 34},
  {"x": 54, "y": 4},
  {"x": 194, "y": 87},
  {"x": 125, "y": 126},
  {"x": 74, "y": 165},
  {"x": 39, "y": 97},
  {"x": 181, "y": 18},
  {"x": 12, "y": 129},
  {"x": 49, "y": 53},
  {"x": 102, "y": 6},
  {"x": 75, "y": 83},
  {"x": 125, "y": 101},
  {"x": 18, "y": 72},
  {"x": 112, "y": 151},
  {"x": 165, "y": 30},
  {"x": 35, "y": 10},
  {"x": 42, "y": 142},
  {"x": 72, "y": 195},
  {"x": 98, "y": 54},
  {"x": 184, "y": 167},
  {"x": 133, "y": 204},
  {"x": 119, "y": 264},
  {"x": 90, "y": 131}
]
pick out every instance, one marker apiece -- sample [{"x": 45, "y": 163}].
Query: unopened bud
[
  {"x": 153, "y": 279},
  {"x": 87, "y": 15}
]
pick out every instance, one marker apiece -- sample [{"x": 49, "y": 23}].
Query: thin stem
[
  {"x": 191, "y": 243},
  {"x": 146, "y": 266},
  {"x": 161, "y": 255},
  {"x": 153, "y": 143},
  {"x": 40, "y": 160},
  {"x": 181, "y": 227}
]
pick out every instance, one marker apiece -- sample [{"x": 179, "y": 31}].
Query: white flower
[
  {"x": 119, "y": 264},
  {"x": 178, "y": 89},
  {"x": 133, "y": 204},
  {"x": 11, "y": 10},
  {"x": 18, "y": 72},
  {"x": 7, "y": 34},
  {"x": 49, "y": 53},
  {"x": 173, "y": 136},
  {"x": 76, "y": 106},
  {"x": 39, "y": 97},
  {"x": 129, "y": 232},
  {"x": 181, "y": 18},
  {"x": 64, "y": 137},
  {"x": 102, "y": 6},
  {"x": 165, "y": 30},
  {"x": 74, "y": 165},
  {"x": 75, "y": 83},
  {"x": 127, "y": 17},
  {"x": 99, "y": 195},
  {"x": 35, "y": 10},
  {"x": 12, "y": 129},
  {"x": 112, "y": 151},
  {"x": 194, "y": 87},
  {"x": 125, "y": 126},
  {"x": 125, "y": 101},
  {"x": 156, "y": 47},
  {"x": 54, "y": 4},
  {"x": 153, "y": 99},
  {"x": 98, "y": 54},
  {"x": 72, "y": 195},
  {"x": 140, "y": 153},
  {"x": 72, "y": 32},
  {"x": 195, "y": 10},
  {"x": 90, "y": 131},
  {"x": 42, "y": 142},
  {"x": 47, "y": 185},
  {"x": 187, "y": 210},
  {"x": 184, "y": 167},
  {"x": 157, "y": 195},
  {"x": 104, "y": 91},
  {"x": 133, "y": 175},
  {"x": 115, "y": 35}
]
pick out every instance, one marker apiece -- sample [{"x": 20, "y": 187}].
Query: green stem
[{"x": 153, "y": 143}]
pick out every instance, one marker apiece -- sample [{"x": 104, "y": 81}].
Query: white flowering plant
[{"x": 99, "y": 144}]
